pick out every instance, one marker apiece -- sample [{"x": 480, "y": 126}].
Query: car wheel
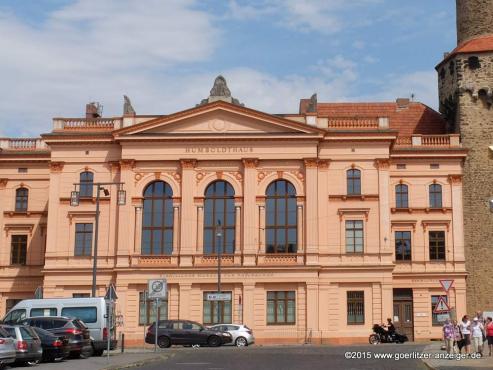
[
  {"x": 241, "y": 342},
  {"x": 214, "y": 341},
  {"x": 164, "y": 342},
  {"x": 373, "y": 339},
  {"x": 97, "y": 352}
]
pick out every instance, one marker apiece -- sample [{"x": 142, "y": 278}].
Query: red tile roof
[
  {"x": 416, "y": 118},
  {"x": 479, "y": 44}
]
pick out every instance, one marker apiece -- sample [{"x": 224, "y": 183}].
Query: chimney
[
  {"x": 402, "y": 103},
  {"x": 93, "y": 110}
]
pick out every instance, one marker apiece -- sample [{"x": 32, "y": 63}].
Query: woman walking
[
  {"x": 465, "y": 329},
  {"x": 477, "y": 331},
  {"x": 449, "y": 336},
  {"x": 489, "y": 332}
]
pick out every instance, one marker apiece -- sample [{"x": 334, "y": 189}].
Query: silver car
[
  {"x": 242, "y": 334},
  {"x": 27, "y": 344},
  {"x": 7, "y": 349}
]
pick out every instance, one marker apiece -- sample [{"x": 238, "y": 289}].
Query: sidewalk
[{"x": 434, "y": 348}]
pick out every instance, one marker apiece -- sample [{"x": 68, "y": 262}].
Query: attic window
[
  {"x": 22, "y": 170},
  {"x": 401, "y": 166},
  {"x": 473, "y": 62},
  {"x": 434, "y": 166},
  {"x": 442, "y": 73},
  {"x": 451, "y": 67}
]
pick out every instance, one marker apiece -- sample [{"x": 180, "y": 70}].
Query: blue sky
[{"x": 57, "y": 55}]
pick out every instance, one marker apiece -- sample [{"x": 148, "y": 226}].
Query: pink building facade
[{"x": 332, "y": 219}]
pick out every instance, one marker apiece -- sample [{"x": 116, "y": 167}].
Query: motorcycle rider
[{"x": 390, "y": 329}]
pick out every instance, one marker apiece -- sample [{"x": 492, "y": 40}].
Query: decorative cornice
[
  {"x": 454, "y": 179},
  {"x": 188, "y": 163},
  {"x": 323, "y": 164},
  {"x": 426, "y": 223},
  {"x": 342, "y": 211},
  {"x": 56, "y": 166},
  {"x": 310, "y": 162},
  {"x": 382, "y": 163},
  {"x": 21, "y": 227}
]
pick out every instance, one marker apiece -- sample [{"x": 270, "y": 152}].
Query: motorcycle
[{"x": 380, "y": 335}]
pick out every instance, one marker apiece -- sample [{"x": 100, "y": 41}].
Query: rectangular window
[
  {"x": 19, "y": 250},
  {"x": 211, "y": 311},
  {"x": 281, "y": 308},
  {"x": 87, "y": 314},
  {"x": 147, "y": 310},
  {"x": 35, "y": 312},
  {"x": 437, "y": 245},
  {"x": 83, "y": 239},
  {"x": 401, "y": 166},
  {"x": 355, "y": 307},
  {"x": 434, "y": 316},
  {"x": 354, "y": 236},
  {"x": 402, "y": 245},
  {"x": 22, "y": 170},
  {"x": 81, "y": 295}
]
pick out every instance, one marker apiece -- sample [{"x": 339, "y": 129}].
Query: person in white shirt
[
  {"x": 477, "y": 330},
  {"x": 465, "y": 329}
]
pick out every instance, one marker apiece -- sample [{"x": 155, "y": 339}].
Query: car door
[
  {"x": 176, "y": 332},
  {"x": 196, "y": 333}
]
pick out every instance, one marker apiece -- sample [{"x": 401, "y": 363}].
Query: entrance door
[{"x": 403, "y": 312}]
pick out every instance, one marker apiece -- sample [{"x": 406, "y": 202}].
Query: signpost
[
  {"x": 157, "y": 289},
  {"x": 446, "y": 284},
  {"x": 441, "y": 306},
  {"x": 217, "y": 296},
  {"x": 110, "y": 297}
]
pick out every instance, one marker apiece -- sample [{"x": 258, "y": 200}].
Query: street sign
[
  {"x": 111, "y": 293},
  {"x": 446, "y": 284},
  {"x": 157, "y": 288},
  {"x": 441, "y": 306},
  {"x": 441, "y": 317},
  {"x": 219, "y": 296}
]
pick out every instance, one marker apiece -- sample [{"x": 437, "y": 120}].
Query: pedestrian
[
  {"x": 477, "y": 331},
  {"x": 458, "y": 344},
  {"x": 448, "y": 336},
  {"x": 489, "y": 332},
  {"x": 465, "y": 329}
]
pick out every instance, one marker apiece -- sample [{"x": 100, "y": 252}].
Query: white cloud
[{"x": 94, "y": 50}]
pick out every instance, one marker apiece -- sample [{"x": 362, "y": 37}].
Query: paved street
[{"x": 289, "y": 357}]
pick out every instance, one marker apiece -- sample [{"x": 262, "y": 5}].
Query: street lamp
[
  {"x": 74, "y": 201},
  {"x": 219, "y": 234}
]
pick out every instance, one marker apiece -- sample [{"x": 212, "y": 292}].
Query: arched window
[
  {"x": 86, "y": 180},
  {"x": 401, "y": 196},
  {"x": 219, "y": 218},
  {"x": 157, "y": 222},
  {"x": 435, "y": 196},
  {"x": 353, "y": 178},
  {"x": 281, "y": 222},
  {"x": 21, "y": 197}
]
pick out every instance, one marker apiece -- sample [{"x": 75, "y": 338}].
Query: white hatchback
[{"x": 242, "y": 334}]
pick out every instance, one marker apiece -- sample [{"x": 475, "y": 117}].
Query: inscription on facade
[{"x": 218, "y": 149}]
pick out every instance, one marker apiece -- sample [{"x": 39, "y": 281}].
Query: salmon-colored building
[{"x": 331, "y": 220}]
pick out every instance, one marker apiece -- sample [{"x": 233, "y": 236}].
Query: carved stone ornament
[
  {"x": 127, "y": 164},
  {"x": 455, "y": 179},
  {"x": 312, "y": 105},
  {"x": 128, "y": 110},
  {"x": 188, "y": 163},
  {"x": 383, "y": 163},
  {"x": 56, "y": 166},
  {"x": 311, "y": 162},
  {"x": 323, "y": 164},
  {"x": 250, "y": 162},
  {"x": 220, "y": 91},
  {"x": 3, "y": 183}
]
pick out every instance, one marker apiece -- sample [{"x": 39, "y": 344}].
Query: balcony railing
[
  {"x": 83, "y": 124},
  {"x": 351, "y": 123},
  {"x": 22, "y": 144},
  {"x": 428, "y": 141}
]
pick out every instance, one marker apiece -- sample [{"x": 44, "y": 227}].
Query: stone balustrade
[
  {"x": 22, "y": 144},
  {"x": 429, "y": 141},
  {"x": 83, "y": 124}
]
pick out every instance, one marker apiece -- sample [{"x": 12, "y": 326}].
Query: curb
[{"x": 138, "y": 363}]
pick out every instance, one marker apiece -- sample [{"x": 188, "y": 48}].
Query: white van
[{"x": 92, "y": 311}]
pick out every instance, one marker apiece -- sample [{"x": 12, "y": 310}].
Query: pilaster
[
  {"x": 250, "y": 230},
  {"x": 188, "y": 212}
]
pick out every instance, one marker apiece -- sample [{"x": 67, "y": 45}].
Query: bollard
[{"x": 123, "y": 342}]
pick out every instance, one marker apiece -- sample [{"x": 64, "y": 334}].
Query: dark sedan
[
  {"x": 55, "y": 347},
  {"x": 185, "y": 332}
]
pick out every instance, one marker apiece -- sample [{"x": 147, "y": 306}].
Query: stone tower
[{"x": 465, "y": 81}]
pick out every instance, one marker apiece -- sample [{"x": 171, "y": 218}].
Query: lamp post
[
  {"x": 219, "y": 234},
  {"x": 74, "y": 202}
]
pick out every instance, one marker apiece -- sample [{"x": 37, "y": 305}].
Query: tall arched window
[
  {"x": 353, "y": 178},
  {"x": 401, "y": 196},
  {"x": 157, "y": 223},
  {"x": 435, "y": 196},
  {"x": 281, "y": 222},
  {"x": 86, "y": 180},
  {"x": 21, "y": 197},
  {"x": 219, "y": 218}
]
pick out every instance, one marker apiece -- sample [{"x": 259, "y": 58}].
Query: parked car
[
  {"x": 242, "y": 334},
  {"x": 77, "y": 333},
  {"x": 55, "y": 347},
  {"x": 185, "y": 332},
  {"x": 92, "y": 311},
  {"x": 27, "y": 344},
  {"x": 7, "y": 348}
]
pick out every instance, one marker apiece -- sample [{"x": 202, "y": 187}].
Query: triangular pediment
[{"x": 219, "y": 118}]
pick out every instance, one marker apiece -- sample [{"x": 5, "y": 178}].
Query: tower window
[
  {"x": 442, "y": 73},
  {"x": 451, "y": 68},
  {"x": 473, "y": 62}
]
